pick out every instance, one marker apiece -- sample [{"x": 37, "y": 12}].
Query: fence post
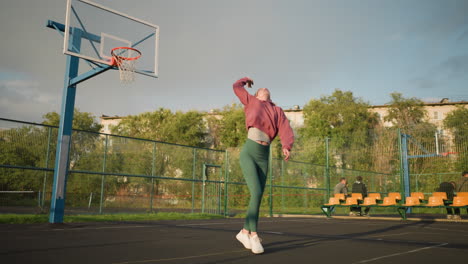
[
  {"x": 270, "y": 168},
  {"x": 203, "y": 188},
  {"x": 103, "y": 177},
  {"x": 327, "y": 168},
  {"x": 152, "y": 174},
  {"x": 282, "y": 184},
  {"x": 226, "y": 182},
  {"x": 47, "y": 166},
  {"x": 90, "y": 199},
  {"x": 193, "y": 177}
]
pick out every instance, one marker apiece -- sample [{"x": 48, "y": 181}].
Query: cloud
[
  {"x": 463, "y": 36},
  {"x": 18, "y": 91},
  {"x": 23, "y": 99},
  {"x": 449, "y": 70},
  {"x": 455, "y": 67}
]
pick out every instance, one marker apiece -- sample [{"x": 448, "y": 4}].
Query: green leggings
[{"x": 254, "y": 164}]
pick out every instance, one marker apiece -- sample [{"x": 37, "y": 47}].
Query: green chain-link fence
[{"x": 111, "y": 173}]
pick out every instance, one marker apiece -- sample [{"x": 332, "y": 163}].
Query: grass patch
[
  {"x": 23, "y": 218},
  {"x": 42, "y": 218}
]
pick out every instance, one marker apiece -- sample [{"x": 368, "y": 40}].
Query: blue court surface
[{"x": 286, "y": 240}]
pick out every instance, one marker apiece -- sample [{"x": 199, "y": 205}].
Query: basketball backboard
[{"x": 99, "y": 29}]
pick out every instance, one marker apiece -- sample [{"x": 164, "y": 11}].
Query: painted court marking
[
  {"x": 181, "y": 258},
  {"x": 401, "y": 253},
  {"x": 399, "y": 234},
  {"x": 96, "y": 228}
]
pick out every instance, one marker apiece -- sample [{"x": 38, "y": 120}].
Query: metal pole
[
  {"x": 270, "y": 172},
  {"x": 90, "y": 199},
  {"x": 226, "y": 180},
  {"x": 49, "y": 137},
  {"x": 193, "y": 177},
  {"x": 101, "y": 201},
  {"x": 57, "y": 205},
  {"x": 153, "y": 171},
  {"x": 39, "y": 199},
  {"x": 416, "y": 183},
  {"x": 404, "y": 168},
  {"x": 203, "y": 188},
  {"x": 219, "y": 191},
  {"x": 282, "y": 184},
  {"x": 327, "y": 168}
]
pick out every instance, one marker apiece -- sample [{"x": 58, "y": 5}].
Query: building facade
[{"x": 436, "y": 113}]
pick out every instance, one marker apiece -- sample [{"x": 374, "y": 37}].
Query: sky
[{"x": 300, "y": 50}]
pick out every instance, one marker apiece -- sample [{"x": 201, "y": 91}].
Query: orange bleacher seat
[
  {"x": 340, "y": 196},
  {"x": 418, "y": 195},
  {"x": 351, "y": 201},
  {"x": 333, "y": 201},
  {"x": 395, "y": 195},
  {"x": 369, "y": 201},
  {"x": 440, "y": 194},
  {"x": 358, "y": 196},
  {"x": 435, "y": 201},
  {"x": 460, "y": 194},
  {"x": 388, "y": 201},
  {"x": 412, "y": 201},
  {"x": 460, "y": 201},
  {"x": 377, "y": 196}
]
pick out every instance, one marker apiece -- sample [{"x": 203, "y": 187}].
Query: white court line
[
  {"x": 202, "y": 224},
  {"x": 96, "y": 228},
  {"x": 182, "y": 258},
  {"x": 401, "y": 253},
  {"x": 227, "y": 223},
  {"x": 444, "y": 229},
  {"x": 271, "y": 232},
  {"x": 399, "y": 234}
]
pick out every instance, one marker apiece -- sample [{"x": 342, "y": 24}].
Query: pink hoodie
[{"x": 264, "y": 115}]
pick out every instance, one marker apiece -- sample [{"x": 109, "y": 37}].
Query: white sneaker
[
  {"x": 257, "y": 247},
  {"x": 244, "y": 239}
]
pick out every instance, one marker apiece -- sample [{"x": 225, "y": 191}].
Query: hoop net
[{"x": 125, "y": 59}]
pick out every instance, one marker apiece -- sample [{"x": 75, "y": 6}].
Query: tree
[
  {"x": 227, "y": 127},
  {"x": 457, "y": 123},
  {"x": 409, "y": 115},
  {"x": 83, "y": 143},
  {"x": 345, "y": 120},
  {"x": 159, "y": 158},
  {"x": 405, "y": 112},
  {"x": 163, "y": 125},
  {"x": 28, "y": 145},
  {"x": 81, "y": 121}
]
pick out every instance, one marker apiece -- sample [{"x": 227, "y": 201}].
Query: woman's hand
[
  {"x": 249, "y": 82},
  {"x": 286, "y": 154}
]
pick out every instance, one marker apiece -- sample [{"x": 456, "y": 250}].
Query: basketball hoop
[{"x": 125, "y": 58}]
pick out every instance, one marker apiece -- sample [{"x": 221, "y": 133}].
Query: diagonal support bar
[{"x": 87, "y": 75}]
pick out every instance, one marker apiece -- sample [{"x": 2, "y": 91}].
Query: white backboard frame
[{"x": 67, "y": 49}]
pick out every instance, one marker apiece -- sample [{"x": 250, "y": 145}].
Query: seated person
[
  {"x": 359, "y": 187},
  {"x": 449, "y": 188}
]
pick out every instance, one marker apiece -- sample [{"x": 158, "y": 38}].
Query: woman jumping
[{"x": 263, "y": 120}]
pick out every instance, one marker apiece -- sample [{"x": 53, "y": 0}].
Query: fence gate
[{"x": 212, "y": 189}]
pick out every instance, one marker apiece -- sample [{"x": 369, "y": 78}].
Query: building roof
[
  {"x": 105, "y": 117},
  {"x": 444, "y": 101}
]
